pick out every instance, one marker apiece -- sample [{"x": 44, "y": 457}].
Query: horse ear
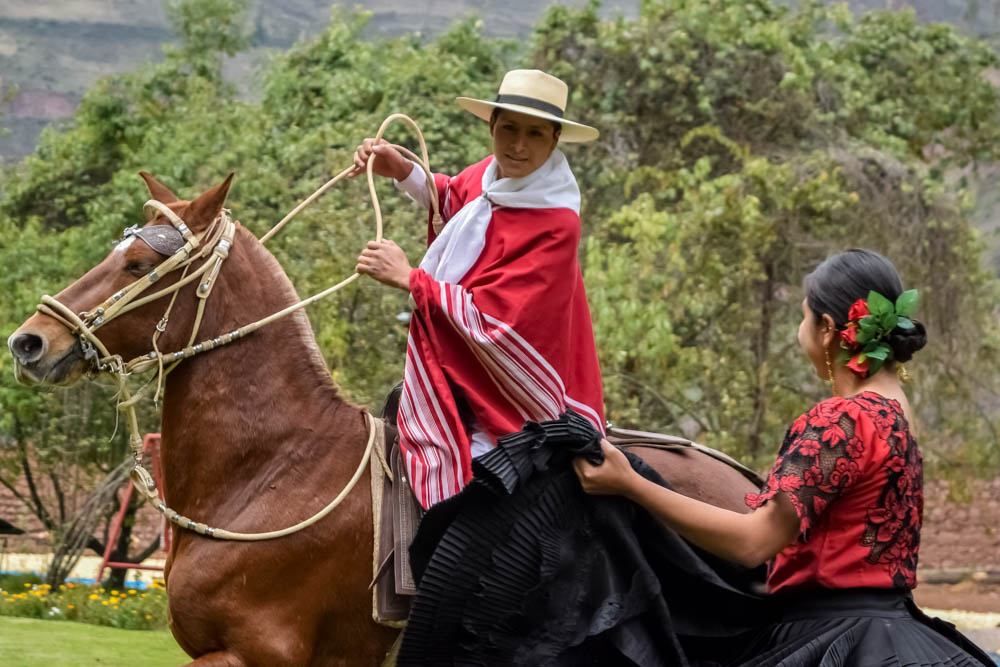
[
  {"x": 158, "y": 190},
  {"x": 205, "y": 208}
]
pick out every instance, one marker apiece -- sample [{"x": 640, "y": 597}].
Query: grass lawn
[{"x": 28, "y": 642}]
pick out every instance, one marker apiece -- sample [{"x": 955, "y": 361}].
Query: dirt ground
[
  {"x": 967, "y": 596},
  {"x": 958, "y": 535},
  {"x": 959, "y": 566}
]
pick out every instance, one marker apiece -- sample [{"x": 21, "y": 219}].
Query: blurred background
[{"x": 742, "y": 142}]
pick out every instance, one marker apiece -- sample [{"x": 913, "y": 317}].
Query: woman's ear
[{"x": 829, "y": 330}]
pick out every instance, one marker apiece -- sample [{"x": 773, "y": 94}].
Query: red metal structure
[{"x": 151, "y": 450}]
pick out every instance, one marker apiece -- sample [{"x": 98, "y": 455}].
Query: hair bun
[{"x": 906, "y": 342}]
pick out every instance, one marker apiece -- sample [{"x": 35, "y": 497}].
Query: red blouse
[{"x": 854, "y": 474}]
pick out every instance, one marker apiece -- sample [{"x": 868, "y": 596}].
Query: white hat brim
[{"x": 572, "y": 132}]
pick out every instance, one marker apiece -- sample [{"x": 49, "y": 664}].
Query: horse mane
[{"x": 272, "y": 274}]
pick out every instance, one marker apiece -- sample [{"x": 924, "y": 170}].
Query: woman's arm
[{"x": 747, "y": 539}]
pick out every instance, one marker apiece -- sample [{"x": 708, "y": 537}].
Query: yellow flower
[
  {"x": 27, "y": 585},
  {"x": 148, "y": 617},
  {"x": 103, "y": 591},
  {"x": 3, "y": 592},
  {"x": 104, "y": 602},
  {"x": 114, "y": 607},
  {"x": 114, "y": 592},
  {"x": 95, "y": 596},
  {"x": 131, "y": 591}
]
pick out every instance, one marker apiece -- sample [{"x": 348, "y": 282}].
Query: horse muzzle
[{"x": 41, "y": 359}]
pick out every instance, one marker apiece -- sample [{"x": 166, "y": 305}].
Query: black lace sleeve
[{"x": 819, "y": 458}]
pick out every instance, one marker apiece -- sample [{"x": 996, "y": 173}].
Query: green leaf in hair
[
  {"x": 878, "y": 304},
  {"x": 907, "y": 302}
]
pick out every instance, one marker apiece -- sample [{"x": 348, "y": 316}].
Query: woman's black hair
[
  {"x": 556, "y": 126},
  {"x": 848, "y": 276}
]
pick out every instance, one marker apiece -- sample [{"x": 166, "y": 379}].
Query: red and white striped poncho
[{"x": 500, "y": 332}]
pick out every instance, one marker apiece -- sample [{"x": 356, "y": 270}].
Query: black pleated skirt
[{"x": 855, "y": 628}]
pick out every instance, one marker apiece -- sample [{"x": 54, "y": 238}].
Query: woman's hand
[
  {"x": 388, "y": 161},
  {"x": 613, "y": 477},
  {"x": 385, "y": 262}
]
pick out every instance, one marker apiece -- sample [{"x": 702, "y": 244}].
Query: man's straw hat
[{"x": 535, "y": 93}]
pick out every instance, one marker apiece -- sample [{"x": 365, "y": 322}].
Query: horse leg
[{"x": 217, "y": 659}]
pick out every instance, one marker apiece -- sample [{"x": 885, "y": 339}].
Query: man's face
[{"x": 521, "y": 143}]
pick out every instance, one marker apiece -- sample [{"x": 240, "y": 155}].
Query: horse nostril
[{"x": 27, "y": 348}]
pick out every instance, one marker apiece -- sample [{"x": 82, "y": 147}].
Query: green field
[{"x": 33, "y": 643}]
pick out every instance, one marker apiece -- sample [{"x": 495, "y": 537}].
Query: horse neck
[{"x": 251, "y": 411}]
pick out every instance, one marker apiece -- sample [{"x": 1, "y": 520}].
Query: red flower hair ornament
[{"x": 864, "y": 341}]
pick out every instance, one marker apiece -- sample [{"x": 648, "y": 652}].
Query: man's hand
[
  {"x": 613, "y": 477},
  {"x": 385, "y": 262},
  {"x": 388, "y": 161}
]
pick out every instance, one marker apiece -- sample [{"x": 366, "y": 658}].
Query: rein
[{"x": 213, "y": 245}]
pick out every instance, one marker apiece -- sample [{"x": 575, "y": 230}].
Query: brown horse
[{"x": 257, "y": 437}]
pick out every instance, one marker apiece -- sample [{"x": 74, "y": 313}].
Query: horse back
[{"x": 699, "y": 475}]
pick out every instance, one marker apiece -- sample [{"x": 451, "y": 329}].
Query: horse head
[{"x": 49, "y": 350}]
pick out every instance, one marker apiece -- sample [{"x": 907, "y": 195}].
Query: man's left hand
[{"x": 385, "y": 262}]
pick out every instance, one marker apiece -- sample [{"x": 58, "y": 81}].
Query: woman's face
[
  {"x": 521, "y": 143},
  {"x": 813, "y": 336}
]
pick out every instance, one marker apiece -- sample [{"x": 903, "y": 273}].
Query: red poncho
[{"x": 506, "y": 340}]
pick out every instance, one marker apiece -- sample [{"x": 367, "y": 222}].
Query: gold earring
[
  {"x": 829, "y": 371},
  {"x": 901, "y": 373}
]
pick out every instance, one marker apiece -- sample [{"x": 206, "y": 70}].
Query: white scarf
[{"x": 459, "y": 245}]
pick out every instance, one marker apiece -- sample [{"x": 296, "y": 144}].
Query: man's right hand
[{"x": 388, "y": 161}]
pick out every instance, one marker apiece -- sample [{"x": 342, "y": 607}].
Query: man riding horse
[{"x": 501, "y": 332}]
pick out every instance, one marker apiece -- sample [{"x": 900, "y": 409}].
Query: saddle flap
[{"x": 406, "y": 515}]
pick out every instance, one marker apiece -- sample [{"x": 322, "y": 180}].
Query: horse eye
[{"x": 137, "y": 269}]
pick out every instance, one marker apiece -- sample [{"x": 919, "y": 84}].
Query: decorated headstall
[{"x": 182, "y": 248}]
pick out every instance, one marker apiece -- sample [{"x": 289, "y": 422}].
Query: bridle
[{"x": 213, "y": 245}]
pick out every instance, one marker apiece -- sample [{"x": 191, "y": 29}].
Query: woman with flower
[{"x": 839, "y": 517}]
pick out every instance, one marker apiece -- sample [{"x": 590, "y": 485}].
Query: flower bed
[{"x": 128, "y": 609}]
